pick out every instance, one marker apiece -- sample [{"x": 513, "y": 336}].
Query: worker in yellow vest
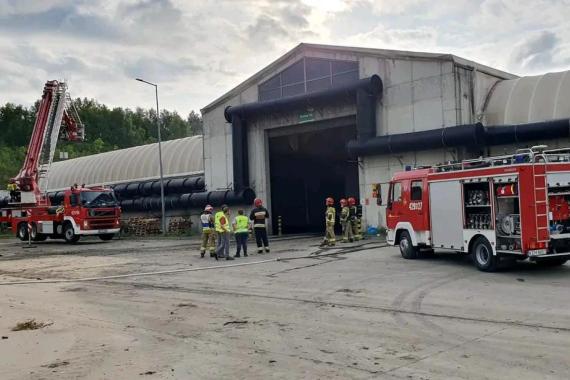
[
  {"x": 222, "y": 223},
  {"x": 13, "y": 189},
  {"x": 330, "y": 216},
  {"x": 241, "y": 232},
  {"x": 208, "y": 233}
]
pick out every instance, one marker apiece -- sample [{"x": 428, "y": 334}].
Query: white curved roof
[
  {"x": 179, "y": 157},
  {"x": 529, "y": 99}
]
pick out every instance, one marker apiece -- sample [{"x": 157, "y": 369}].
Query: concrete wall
[{"x": 419, "y": 94}]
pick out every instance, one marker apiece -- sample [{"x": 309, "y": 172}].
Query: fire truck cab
[{"x": 515, "y": 206}]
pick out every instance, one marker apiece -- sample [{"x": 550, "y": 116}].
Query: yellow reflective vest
[
  {"x": 242, "y": 223},
  {"x": 221, "y": 222}
]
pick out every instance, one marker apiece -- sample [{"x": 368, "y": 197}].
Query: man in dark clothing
[{"x": 258, "y": 215}]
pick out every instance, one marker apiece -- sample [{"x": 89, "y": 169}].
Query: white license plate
[
  {"x": 103, "y": 231},
  {"x": 537, "y": 252}
]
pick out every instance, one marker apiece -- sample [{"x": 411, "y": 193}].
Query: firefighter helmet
[
  {"x": 258, "y": 202},
  {"x": 343, "y": 202},
  {"x": 208, "y": 208},
  {"x": 330, "y": 201},
  {"x": 352, "y": 201}
]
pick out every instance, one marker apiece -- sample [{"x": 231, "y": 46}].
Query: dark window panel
[
  {"x": 296, "y": 89},
  {"x": 270, "y": 94},
  {"x": 317, "y": 68},
  {"x": 318, "y": 84},
  {"x": 293, "y": 74},
  {"x": 341, "y": 79},
  {"x": 271, "y": 83},
  {"x": 343, "y": 66}
]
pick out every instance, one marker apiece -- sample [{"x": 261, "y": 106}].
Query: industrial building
[{"x": 337, "y": 121}]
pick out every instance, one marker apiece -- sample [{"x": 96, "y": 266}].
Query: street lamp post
[{"x": 159, "y": 155}]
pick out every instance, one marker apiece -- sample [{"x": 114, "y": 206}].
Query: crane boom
[{"x": 55, "y": 110}]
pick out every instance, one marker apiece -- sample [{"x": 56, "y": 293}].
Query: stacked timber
[
  {"x": 142, "y": 226},
  {"x": 179, "y": 226}
]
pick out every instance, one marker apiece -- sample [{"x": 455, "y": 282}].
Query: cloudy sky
[{"x": 198, "y": 49}]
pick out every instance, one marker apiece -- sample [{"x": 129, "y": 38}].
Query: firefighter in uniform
[
  {"x": 345, "y": 222},
  {"x": 208, "y": 233},
  {"x": 354, "y": 218},
  {"x": 330, "y": 215},
  {"x": 258, "y": 215}
]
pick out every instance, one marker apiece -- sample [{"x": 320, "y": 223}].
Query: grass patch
[{"x": 30, "y": 324}]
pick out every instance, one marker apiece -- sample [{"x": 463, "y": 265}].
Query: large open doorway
[{"x": 306, "y": 167}]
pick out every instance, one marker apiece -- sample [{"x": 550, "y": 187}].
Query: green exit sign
[{"x": 306, "y": 117}]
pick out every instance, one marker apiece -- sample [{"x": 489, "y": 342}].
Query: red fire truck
[
  {"x": 514, "y": 206},
  {"x": 35, "y": 215}
]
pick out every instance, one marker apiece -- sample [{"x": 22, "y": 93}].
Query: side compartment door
[{"x": 446, "y": 211}]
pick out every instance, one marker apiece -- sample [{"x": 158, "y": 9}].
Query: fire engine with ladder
[
  {"x": 511, "y": 207},
  {"x": 31, "y": 213}
]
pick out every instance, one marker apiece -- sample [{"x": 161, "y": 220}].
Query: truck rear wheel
[
  {"x": 407, "y": 249},
  {"x": 69, "y": 234},
  {"x": 22, "y": 232},
  {"x": 483, "y": 255},
  {"x": 35, "y": 235}
]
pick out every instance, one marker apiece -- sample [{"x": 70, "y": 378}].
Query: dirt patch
[
  {"x": 186, "y": 305},
  {"x": 31, "y": 324},
  {"x": 57, "y": 364}
]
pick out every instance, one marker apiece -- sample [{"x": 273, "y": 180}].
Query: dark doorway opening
[{"x": 306, "y": 168}]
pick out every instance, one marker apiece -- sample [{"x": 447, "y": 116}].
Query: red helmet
[
  {"x": 352, "y": 201},
  {"x": 330, "y": 201},
  {"x": 343, "y": 202},
  {"x": 208, "y": 208},
  {"x": 258, "y": 202}
]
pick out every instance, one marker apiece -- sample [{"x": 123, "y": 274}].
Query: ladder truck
[
  {"x": 34, "y": 215},
  {"x": 511, "y": 207}
]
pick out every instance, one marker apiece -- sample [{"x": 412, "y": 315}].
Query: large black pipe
[
  {"x": 364, "y": 92},
  {"x": 472, "y": 135}
]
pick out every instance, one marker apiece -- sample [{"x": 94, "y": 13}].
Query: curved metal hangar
[{"x": 335, "y": 121}]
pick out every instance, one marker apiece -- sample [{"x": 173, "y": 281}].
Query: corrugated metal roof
[
  {"x": 380, "y": 53},
  {"x": 181, "y": 156},
  {"x": 529, "y": 99}
]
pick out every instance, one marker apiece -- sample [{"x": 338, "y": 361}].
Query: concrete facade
[{"x": 421, "y": 92}]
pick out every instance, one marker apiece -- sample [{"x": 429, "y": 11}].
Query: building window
[{"x": 308, "y": 75}]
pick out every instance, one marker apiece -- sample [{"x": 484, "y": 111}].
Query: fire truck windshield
[{"x": 98, "y": 199}]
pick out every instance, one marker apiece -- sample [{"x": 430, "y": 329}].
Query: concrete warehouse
[{"x": 336, "y": 121}]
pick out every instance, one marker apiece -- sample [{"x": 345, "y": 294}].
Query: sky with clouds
[{"x": 198, "y": 49}]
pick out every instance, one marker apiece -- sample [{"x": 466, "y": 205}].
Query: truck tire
[
  {"x": 69, "y": 234},
  {"x": 483, "y": 257},
  {"x": 106, "y": 237},
  {"x": 35, "y": 235},
  {"x": 22, "y": 231},
  {"x": 407, "y": 249}
]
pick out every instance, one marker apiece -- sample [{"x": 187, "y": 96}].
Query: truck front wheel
[
  {"x": 407, "y": 248},
  {"x": 69, "y": 234},
  {"x": 22, "y": 232},
  {"x": 483, "y": 255}
]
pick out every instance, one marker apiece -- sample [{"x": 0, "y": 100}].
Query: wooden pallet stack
[
  {"x": 141, "y": 226},
  {"x": 179, "y": 226}
]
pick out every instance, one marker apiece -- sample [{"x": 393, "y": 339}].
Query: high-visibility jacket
[
  {"x": 242, "y": 223},
  {"x": 221, "y": 222},
  {"x": 12, "y": 187},
  {"x": 330, "y": 215},
  {"x": 206, "y": 221}
]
